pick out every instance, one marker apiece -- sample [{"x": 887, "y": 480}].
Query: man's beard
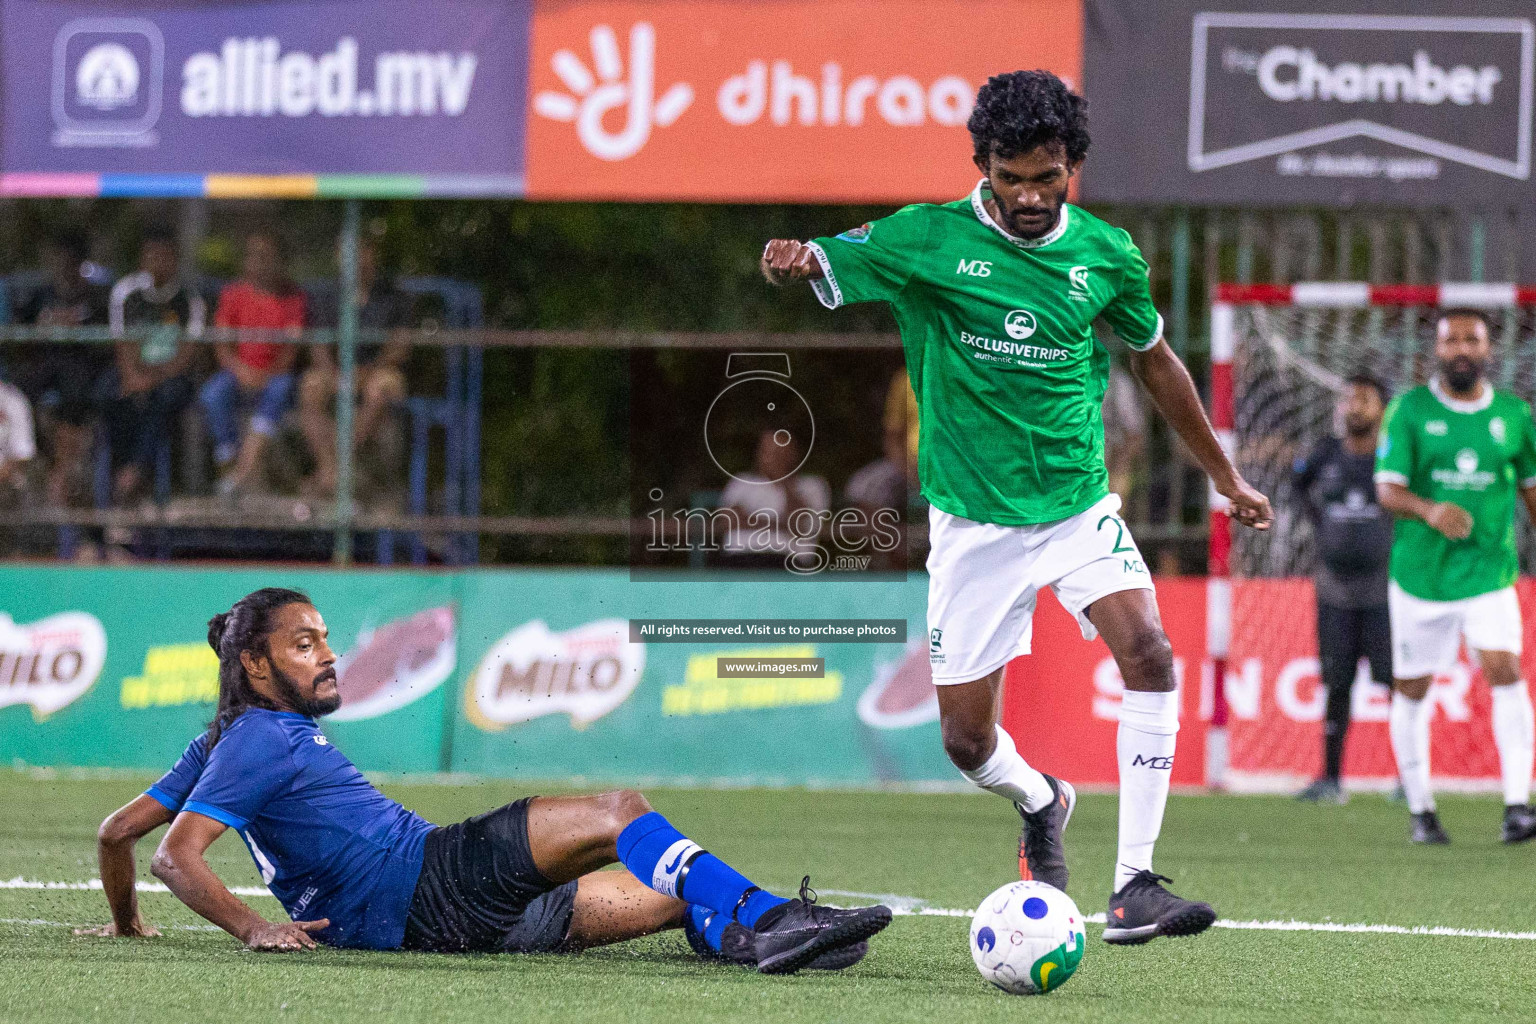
[
  {"x": 1359, "y": 426},
  {"x": 1052, "y": 218},
  {"x": 1462, "y": 372},
  {"x": 314, "y": 707}
]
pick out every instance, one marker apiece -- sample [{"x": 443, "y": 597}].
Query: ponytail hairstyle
[{"x": 245, "y": 627}]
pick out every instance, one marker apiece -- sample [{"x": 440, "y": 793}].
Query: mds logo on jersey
[{"x": 975, "y": 268}]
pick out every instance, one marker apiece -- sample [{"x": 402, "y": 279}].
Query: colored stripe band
[{"x": 28, "y": 184}]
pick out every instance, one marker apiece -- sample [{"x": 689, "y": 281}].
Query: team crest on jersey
[
  {"x": 1496, "y": 428},
  {"x": 1078, "y": 276},
  {"x": 1436, "y": 428},
  {"x": 1020, "y": 324},
  {"x": 858, "y": 235}
]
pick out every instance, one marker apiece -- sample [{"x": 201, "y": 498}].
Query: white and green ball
[{"x": 1027, "y": 938}]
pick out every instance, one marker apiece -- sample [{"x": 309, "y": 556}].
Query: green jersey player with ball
[{"x": 995, "y": 295}]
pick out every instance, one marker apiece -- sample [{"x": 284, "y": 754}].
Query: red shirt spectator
[{"x": 243, "y": 304}]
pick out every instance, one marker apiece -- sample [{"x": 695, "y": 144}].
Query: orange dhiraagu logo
[
  {"x": 584, "y": 672},
  {"x": 50, "y": 663},
  {"x": 794, "y": 100}
]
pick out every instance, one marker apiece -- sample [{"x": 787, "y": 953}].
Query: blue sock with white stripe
[{"x": 674, "y": 865}]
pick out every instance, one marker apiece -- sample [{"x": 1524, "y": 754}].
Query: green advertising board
[{"x": 526, "y": 673}]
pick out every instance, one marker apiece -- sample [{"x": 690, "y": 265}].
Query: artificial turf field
[{"x": 1254, "y": 858}]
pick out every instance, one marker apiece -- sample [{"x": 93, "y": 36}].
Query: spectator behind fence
[
  {"x": 59, "y": 378},
  {"x": 252, "y": 372},
  {"x": 884, "y": 487},
  {"x": 142, "y": 396},
  {"x": 18, "y": 446},
  {"x": 773, "y": 492},
  {"x": 379, "y": 382}
]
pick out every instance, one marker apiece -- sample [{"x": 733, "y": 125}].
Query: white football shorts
[
  {"x": 983, "y": 580},
  {"x": 1426, "y": 635}
]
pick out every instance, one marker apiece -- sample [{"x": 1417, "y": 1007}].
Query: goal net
[{"x": 1281, "y": 355}]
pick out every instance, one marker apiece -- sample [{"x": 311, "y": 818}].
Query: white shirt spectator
[
  {"x": 18, "y": 443},
  {"x": 752, "y": 492}
]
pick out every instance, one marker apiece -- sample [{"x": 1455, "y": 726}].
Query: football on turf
[{"x": 1027, "y": 938}]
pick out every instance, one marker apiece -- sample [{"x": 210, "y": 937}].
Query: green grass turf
[{"x": 1254, "y": 858}]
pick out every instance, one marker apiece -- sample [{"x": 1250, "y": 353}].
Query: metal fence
[{"x": 432, "y": 510}]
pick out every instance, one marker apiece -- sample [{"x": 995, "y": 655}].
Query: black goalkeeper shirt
[{"x": 1354, "y": 533}]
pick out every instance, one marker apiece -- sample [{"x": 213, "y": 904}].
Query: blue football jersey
[{"x": 327, "y": 843}]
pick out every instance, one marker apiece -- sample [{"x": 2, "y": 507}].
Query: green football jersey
[
  {"x": 1474, "y": 454},
  {"x": 1000, "y": 348}
]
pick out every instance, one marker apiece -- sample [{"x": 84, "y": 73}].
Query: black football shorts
[{"x": 479, "y": 891}]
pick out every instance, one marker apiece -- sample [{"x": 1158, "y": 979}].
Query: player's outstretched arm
[
  {"x": 786, "y": 260},
  {"x": 115, "y": 841},
  {"x": 180, "y": 864},
  {"x": 1164, "y": 376}
]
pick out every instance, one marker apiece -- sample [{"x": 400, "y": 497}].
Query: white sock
[
  {"x": 1149, "y": 730},
  {"x": 1007, "y": 774},
  {"x": 1514, "y": 733},
  {"x": 1408, "y": 723}
]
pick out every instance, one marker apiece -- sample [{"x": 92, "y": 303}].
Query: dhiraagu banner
[{"x": 526, "y": 673}]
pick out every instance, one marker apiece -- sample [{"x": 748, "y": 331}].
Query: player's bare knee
[
  {"x": 1413, "y": 689},
  {"x": 162, "y": 865},
  {"x": 1147, "y": 664},
  {"x": 621, "y": 807},
  {"x": 115, "y": 831},
  {"x": 968, "y": 747}
]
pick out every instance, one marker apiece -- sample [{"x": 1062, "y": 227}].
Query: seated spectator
[
  {"x": 254, "y": 371},
  {"x": 146, "y": 391},
  {"x": 59, "y": 378},
  {"x": 379, "y": 381},
  {"x": 18, "y": 446},
  {"x": 774, "y": 491},
  {"x": 887, "y": 483}
]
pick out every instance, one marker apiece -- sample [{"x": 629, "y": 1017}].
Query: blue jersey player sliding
[{"x": 354, "y": 868}]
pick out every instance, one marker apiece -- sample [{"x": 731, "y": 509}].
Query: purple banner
[{"x": 341, "y": 87}]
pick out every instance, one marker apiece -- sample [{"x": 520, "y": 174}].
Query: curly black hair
[{"x": 1021, "y": 110}]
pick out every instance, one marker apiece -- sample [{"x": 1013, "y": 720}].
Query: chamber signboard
[{"x": 1254, "y": 103}]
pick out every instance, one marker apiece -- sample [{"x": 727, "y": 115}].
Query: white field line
[
  {"x": 38, "y": 922},
  {"x": 901, "y": 906},
  {"x": 911, "y": 906},
  {"x": 22, "y": 883}
]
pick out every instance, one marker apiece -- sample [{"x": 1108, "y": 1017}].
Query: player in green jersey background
[
  {"x": 1453, "y": 455},
  {"x": 995, "y": 296}
]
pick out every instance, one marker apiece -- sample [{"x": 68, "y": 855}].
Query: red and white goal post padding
[{"x": 1315, "y": 294}]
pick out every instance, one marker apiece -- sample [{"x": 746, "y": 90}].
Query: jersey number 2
[{"x": 1120, "y": 545}]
